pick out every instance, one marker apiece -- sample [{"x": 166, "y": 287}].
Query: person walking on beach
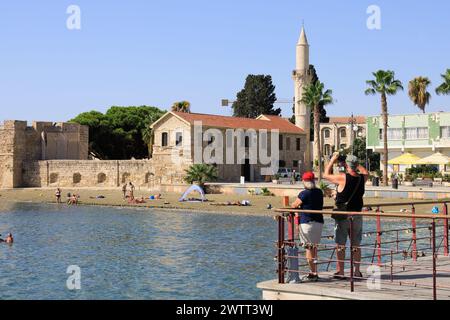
[
  {"x": 349, "y": 197},
  {"x": 58, "y": 195},
  {"x": 124, "y": 191},
  {"x": 132, "y": 191},
  {"x": 311, "y": 225}
]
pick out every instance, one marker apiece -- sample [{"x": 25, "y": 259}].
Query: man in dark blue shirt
[{"x": 311, "y": 224}]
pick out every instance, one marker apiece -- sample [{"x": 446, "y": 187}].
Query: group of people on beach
[
  {"x": 350, "y": 189},
  {"x": 72, "y": 199}
]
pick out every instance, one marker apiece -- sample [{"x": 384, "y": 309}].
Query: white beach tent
[{"x": 191, "y": 189}]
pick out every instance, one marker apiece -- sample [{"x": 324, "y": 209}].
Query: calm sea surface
[{"x": 135, "y": 254}]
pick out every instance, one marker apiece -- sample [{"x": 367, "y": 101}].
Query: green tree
[
  {"x": 366, "y": 157},
  {"x": 118, "y": 134},
  {"x": 182, "y": 106},
  {"x": 386, "y": 85},
  {"x": 323, "y": 112},
  {"x": 444, "y": 88},
  {"x": 314, "y": 96},
  {"x": 201, "y": 173},
  {"x": 418, "y": 93},
  {"x": 257, "y": 97}
]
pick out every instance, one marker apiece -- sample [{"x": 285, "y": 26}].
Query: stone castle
[{"x": 48, "y": 154}]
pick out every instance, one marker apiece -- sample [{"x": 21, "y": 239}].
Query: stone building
[
  {"x": 175, "y": 142},
  {"x": 337, "y": 134}
]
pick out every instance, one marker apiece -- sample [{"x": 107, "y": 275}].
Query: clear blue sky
[{"x": 157, "y": 52}]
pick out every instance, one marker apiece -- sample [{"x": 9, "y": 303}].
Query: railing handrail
[
  {"x": 365, "y": 214},
  {"x": 399, "y": 204}
]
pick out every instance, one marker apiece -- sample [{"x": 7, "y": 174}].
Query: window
[
  {"x": 282, "y": 163},
  {"x": 298, "y": 143},
  {"x": 416, "y": 133},
  {"x": 76, "y": 178},
  {"x": 343, "y": 133},
  {"x": 179, "y": 139},
  {"x": 327, "y": 133},
  {"x": 210, "y": 139},
  {"x": 327, "y": 150},
  {"x": 445, "y": 132},
  {"x": 295, "y": 164},
  {"x": 247, "y": 142},
  {"x": 101, "y": 178},
  {"x": 395, "y": 134},
  {"x": 164, "y": 139},
  {"x": 288, "y": 143},
  {"x": 281, "y": 142},
  {"x": 380, "y": 134}
]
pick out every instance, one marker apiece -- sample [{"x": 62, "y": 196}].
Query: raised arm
[
  {"x": 362, "y": 170},
  {"x": 328, "y": 174}
]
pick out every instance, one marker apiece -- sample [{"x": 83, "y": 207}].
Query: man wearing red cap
[{"x": 311, "y": 225}]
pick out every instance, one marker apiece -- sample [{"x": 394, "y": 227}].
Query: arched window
[
  {"x": 125, "y": 177},
  {"x": 164, "y": 139},
  {"x": 327, "y": 133},
  {"x": 101, "y": 177},
  {"x": 343, "y": 133},
  {"x": 148, "y": 177},
  {"x": 54, "y": 177},
  {"x": 76, "y": 178}
]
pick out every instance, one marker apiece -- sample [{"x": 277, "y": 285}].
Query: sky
[{"x": 156, "y": 52}]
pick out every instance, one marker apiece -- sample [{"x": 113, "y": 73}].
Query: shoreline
[{"x": 169, "y": 201}]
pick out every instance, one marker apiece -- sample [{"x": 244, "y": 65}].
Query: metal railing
[{"x": 434, "y": 238}]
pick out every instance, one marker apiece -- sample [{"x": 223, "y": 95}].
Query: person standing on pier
[
  {"x": 311, "y": 225},
  {"x": 349, "y": 197}
]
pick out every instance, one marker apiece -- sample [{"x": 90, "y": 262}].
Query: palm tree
[
  {"x": 386, "y": 85},
  {"x": 444, "y": 88},
  {"x": 148, "y": 136},
  {"x": 314, "y": 97},
  {"x": 201, "y": 173},
  {"x": 182, "y": 106},
  {"x": 417, "y": 91}
]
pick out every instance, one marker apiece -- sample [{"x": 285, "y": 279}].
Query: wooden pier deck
[{"x": 415, "y": 282}]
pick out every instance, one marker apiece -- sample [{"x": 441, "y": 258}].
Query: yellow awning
[
  {"x": 406, "y": 159},
  {"x": 437, "y": 158}
]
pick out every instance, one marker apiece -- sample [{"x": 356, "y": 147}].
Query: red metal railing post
[
  {"x": 445, "y": 212},
  {"x": 414, "y": 234},
  {"x": 291, "y": 227},
  {"x": 352, "y": 280},
  {"x": 281, "y": 249},
  {"x": 433, "y": 228},
  {"x": 379, "y": 237}
]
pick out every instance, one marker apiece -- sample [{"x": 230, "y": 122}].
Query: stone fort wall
[{"x": 101, "y": 174}]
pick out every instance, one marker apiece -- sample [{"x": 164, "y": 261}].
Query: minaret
[{"x": 301, "y": 78}]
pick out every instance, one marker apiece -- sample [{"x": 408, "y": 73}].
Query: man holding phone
[{"x": 350, "y": 192}]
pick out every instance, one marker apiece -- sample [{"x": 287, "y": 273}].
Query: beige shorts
[{"x": 311, "y": 232}]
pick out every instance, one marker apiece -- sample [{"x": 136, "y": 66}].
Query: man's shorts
[
  {"x": 311, "y": 232},
  {"x": 342, "y": 231}
]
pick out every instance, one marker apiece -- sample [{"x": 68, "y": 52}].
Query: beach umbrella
[
  {"x": 405, "y": 159},
  {"x": 437, "y": 158}
]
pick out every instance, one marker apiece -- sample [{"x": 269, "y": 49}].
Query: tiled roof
[
  {"x": 211, "y": 120},
  {"x": 340, "y": 120}
]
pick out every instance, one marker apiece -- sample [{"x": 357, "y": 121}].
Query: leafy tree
[
  {"x": 314, "y": 96},
  {"x": 444, "y": 88},
  {"x": 257, "y": 97},
  {"x": 385, "y": 84},
  {"x": 360, "y": 151},
  {"x": 118, "y": 134},
  {"x": 201, "y": 173},
  {"x": 323, "y": 111},
  {"x": 418, "y": 93},
  {"x": 182, "y": 106}
]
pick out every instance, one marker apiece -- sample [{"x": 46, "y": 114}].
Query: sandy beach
[{"x": 169, "y": 201}]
